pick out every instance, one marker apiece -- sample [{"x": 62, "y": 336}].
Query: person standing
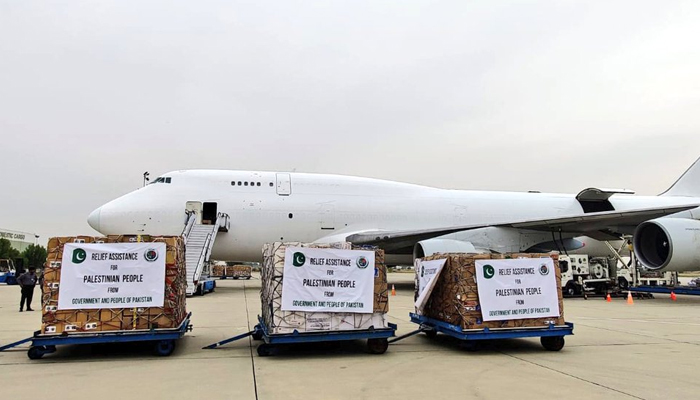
[{"x": 27, "y": 281}]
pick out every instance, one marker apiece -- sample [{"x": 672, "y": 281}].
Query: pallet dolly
[
  {"x": 377, "y": 339},
  {"x": 164, "y": 339},
  {"x": 551, "y": 336}
]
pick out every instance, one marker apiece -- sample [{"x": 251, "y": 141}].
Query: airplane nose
[{"x": 94, "y": 219}]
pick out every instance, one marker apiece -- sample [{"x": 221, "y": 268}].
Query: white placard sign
[
  {"x": 112, "y": 275},
  {"x": 328, "y": 280},
  {"x": 517, "y": 289},
  {"x": 428, "y": 272}
]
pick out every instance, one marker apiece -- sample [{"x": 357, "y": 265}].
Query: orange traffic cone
[
  {"x": 630, "y": 301},
  {"x": 673, "y": 296},
  {"x": 393, "y": 290},
  {"x": 607, "y": 298}
]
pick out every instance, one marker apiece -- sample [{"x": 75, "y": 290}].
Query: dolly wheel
[
  {"x": 377, "y": 346},
  {"x": 257, "y": 335},
  {"x": 265, "y": 350},
  {"x": 36, "y": 352},
  {"x": 164, "y": 348},
  {"x": 431, "y": 333},
  {"x": 552, "y": 343}
]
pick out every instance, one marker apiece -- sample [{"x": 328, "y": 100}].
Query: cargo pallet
[
  {"x": 377, "y": 339},
  {"x": 551, "y": 336},
  {"x": 688, "y": 290},
  {"x": 164, "y": 339}
]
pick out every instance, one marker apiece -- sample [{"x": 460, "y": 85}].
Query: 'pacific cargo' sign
[
  {"x": 112, "y": 275},
  {"x": 517, "y": 288},
  {"x": 328, "y": 280}
]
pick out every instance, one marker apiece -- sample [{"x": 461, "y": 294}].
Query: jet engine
[
  {"x": 670, "y": 244},
  {"x": 432, "y": 246}
]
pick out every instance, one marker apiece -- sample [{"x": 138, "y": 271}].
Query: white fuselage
[{"x": 316, "y": 207}]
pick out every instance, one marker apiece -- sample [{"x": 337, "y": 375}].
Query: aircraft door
[
  {"x": 209, "y": 213},
  {"x": 196, "y": 207},
  {"x": 284, "y": 184}
]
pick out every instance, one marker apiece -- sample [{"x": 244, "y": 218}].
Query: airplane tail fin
[{"x": 688, "y": 184}]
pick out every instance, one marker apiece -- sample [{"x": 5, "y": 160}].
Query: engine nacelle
[
  {"x": 669, "y": 244},
  {"x": 431, "y": 246}
]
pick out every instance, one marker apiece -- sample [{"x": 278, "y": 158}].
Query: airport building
[{"x": 18, "y": 240}]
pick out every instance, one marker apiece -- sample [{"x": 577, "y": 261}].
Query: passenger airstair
[{"x": 199, "y": 241}]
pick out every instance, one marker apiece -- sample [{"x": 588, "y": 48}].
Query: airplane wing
[{"x": 598, "y": 225}]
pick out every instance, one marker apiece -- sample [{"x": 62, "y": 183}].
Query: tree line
[{"x": 33, "y": 255}]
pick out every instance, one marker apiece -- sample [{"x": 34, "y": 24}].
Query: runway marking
[
  {"x": 573, "y": 376},
  {"x": 250, "y": 342}
]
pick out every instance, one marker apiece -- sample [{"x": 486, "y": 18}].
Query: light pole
[{"x": 145, "y": 178}]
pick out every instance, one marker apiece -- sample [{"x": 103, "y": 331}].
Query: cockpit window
[{"x": 161, "y": 179}]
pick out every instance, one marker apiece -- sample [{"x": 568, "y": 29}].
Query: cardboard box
[
  {"x": 172, "y": 313},
  {"x": 239, "y": 271},
  {"x": 279, "y": 321},
  {"x": 455, "y": 298},
  {"x": 218, "y": 271}
]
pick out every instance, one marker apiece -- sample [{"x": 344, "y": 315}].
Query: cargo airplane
[{"x": 408, "y": 220}]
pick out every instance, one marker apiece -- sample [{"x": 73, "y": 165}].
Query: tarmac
[{"x": 649, "y": 350}]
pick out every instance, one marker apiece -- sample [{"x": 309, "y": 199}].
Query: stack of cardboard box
[
  {"x": 239, "y": 271},
  {"x": 455, "y": 297},
  {"x": 278, "y": 321},
  {"x": 218, "y": 271},
  {"x": 172, "y": 313}
]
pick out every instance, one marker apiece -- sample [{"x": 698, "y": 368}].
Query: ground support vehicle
[
  {"x": 377, "y": 339},
  {"x": 7, "y": 272},
  {"x": 164, "y": 340}
]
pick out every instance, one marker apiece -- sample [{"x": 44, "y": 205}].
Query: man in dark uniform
[{"x": 27, "y": 281}]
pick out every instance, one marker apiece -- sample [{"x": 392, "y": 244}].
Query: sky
[{"x": 553, "y": 96}]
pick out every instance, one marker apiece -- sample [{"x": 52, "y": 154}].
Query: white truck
[{"x": 581, "y": 274}]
